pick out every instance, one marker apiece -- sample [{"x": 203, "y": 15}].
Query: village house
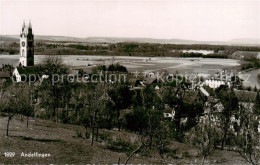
[{"x": 218, "y": 79}]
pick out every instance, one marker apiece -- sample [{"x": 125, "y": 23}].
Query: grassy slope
[{"x": 61, "y": 141}]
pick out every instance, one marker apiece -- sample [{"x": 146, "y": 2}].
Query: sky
[{"x": 203, "y": 20}]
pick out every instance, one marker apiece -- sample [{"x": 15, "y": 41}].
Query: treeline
[
  {"x": 130, "y": 49},
  {"x": 9, "y": 48},
  {"x": 9, "y": 51},
  {"x": 203, "y": 56},
  {"x": 142, "y": 49},
  {"x": 149, "y": 49}
]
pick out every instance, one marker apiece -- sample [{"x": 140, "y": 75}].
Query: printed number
[{"x": 9, "y": 154}]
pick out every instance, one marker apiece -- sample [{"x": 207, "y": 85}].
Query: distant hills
[
  {"x": 245, "y": 41},
  {"x": 42, "y": 38}
]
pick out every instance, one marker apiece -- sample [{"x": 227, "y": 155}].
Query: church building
[{"x": 26, "y": 61}]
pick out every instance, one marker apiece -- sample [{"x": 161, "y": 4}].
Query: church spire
[
  {"x": 30, "y": 25},
  {"x": 27, "y": 45},
  {"x": 23, "y": 25}
]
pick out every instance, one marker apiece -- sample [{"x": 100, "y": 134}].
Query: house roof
[
  {"x": 29, "y": 70},
  {"x": 150, "y": 80},
  {"x": 204, "y": 91},
  {"x": 243, "y": 95}
]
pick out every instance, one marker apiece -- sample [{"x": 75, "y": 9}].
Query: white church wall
[{"x": 17, "y": 75}]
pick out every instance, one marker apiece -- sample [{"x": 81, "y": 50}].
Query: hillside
[{"x": 66, "y": 146}]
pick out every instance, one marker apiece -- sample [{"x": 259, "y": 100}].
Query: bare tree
[
  {"x": 11, "y": 107},
  {"x": 158, "y": 143},
  {"x": 92, "y": 108},
  {"x": 53, "y": 88},
  {"x": 249, "y": 137},
  {"x": 26, "y": 102},
  {"x": 3, "y": 97},
  {"x": 230, "y": 103},
  {"x": 204, "y": 136},
  {"x": 144, "y": 143}
]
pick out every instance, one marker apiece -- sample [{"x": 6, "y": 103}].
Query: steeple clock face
[{"x": 23, "y": 44}]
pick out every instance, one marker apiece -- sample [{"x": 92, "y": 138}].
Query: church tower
[{"x": 26, "y": 46}]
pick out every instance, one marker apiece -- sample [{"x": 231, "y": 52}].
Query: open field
[
  {"x": 170, "y": 64},
  {"x": 62, "y": 142}
]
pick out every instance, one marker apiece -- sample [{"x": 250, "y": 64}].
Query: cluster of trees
[
  {"x": 9, "y": 47},
  {"x": 203, "y": 56},
  {"x": 110, "y": 68},
  {"x": 251, "y": 63},
  {"x": 237, "y": 128},
  {"x": 16, "y": 99}
]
